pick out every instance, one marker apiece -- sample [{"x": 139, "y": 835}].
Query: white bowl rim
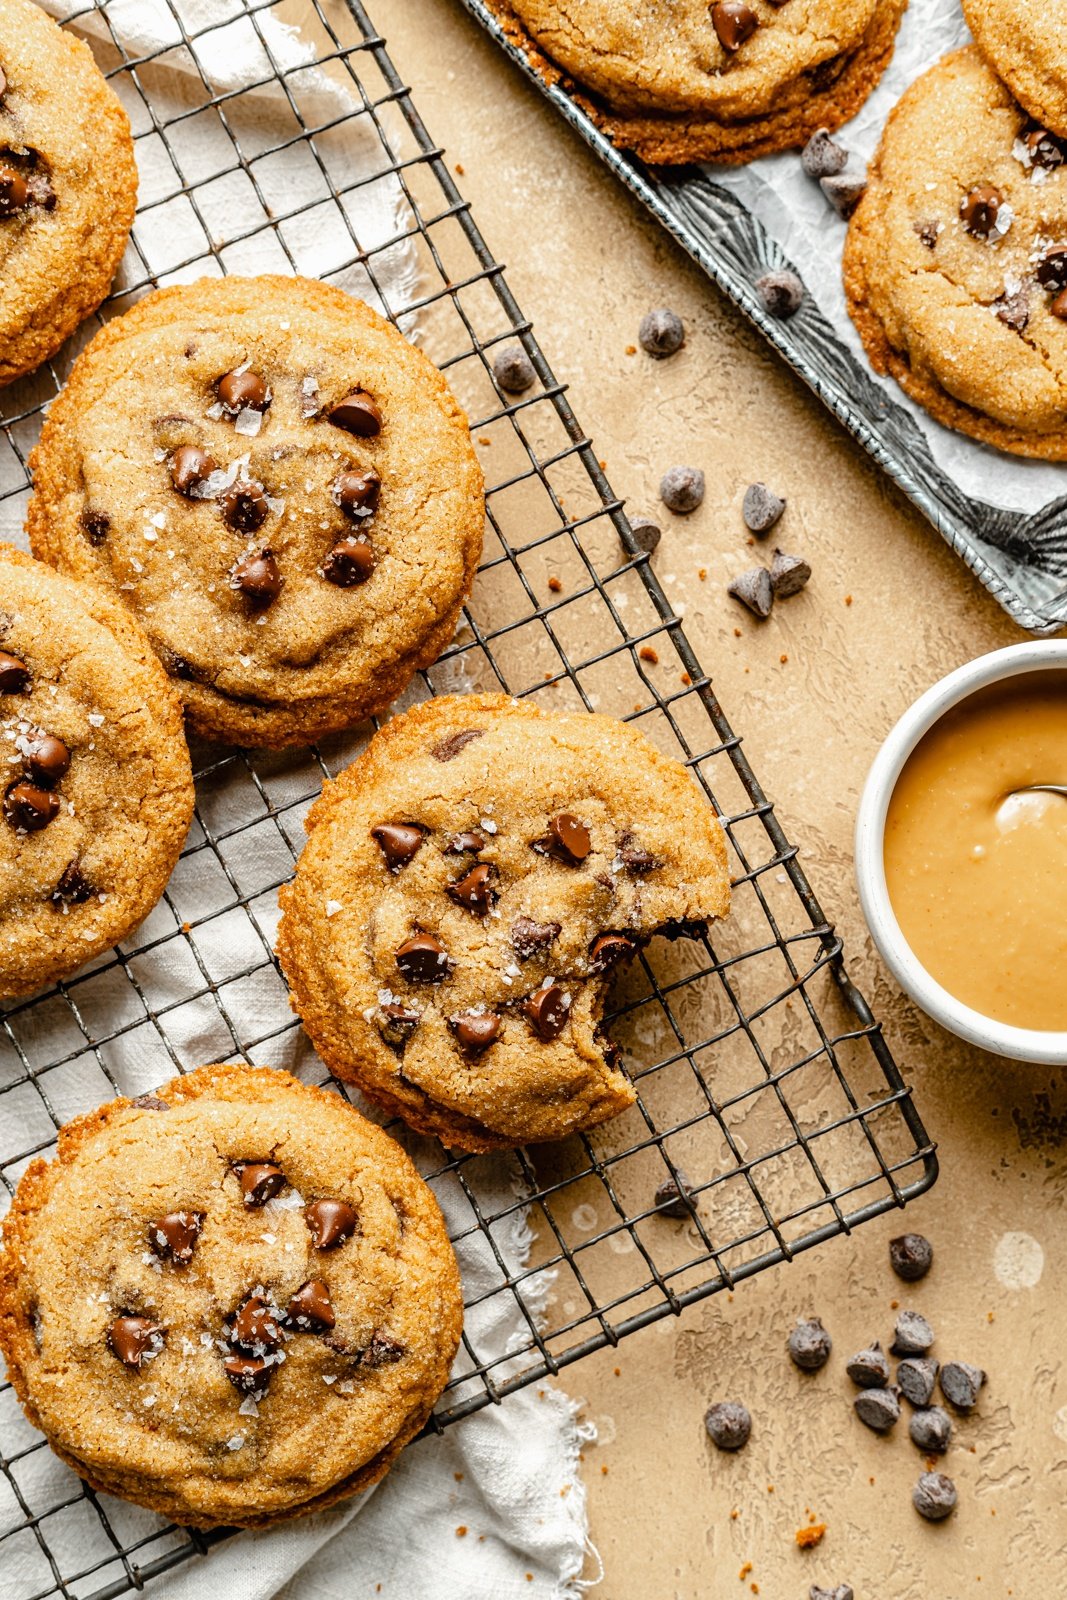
[{"x": 1020, "y": 1044}]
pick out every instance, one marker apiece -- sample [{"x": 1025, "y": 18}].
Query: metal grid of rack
[{"x": 764, "y": 1084}]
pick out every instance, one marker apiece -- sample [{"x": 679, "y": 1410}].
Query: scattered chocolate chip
[
  {"x": 382, "y": 1351},
  {"x": 661, "y": 333},
  {"x": 97, "y": 526},
  {"x": 448, "y": 749},
  {"x": 567, "y": 840},
  {"x": 189, "y": 467},
  {"x": 913, "y": 1335},
  {"x": 358, "y": 414},
  {"x": 28, "y": 808},
  {"x": 249, "y": 1374},
  {"x": 150, "y": 1102},
  {"x": 399, "y": 842},
  {"x": 132, "y": 1338},
  {"x": 173, "y": 1237},
  {"x": 1052, "y": 270},
  {"x": 357, "y": 492},
  {"x": 844, "y": 1591},
  {"x": 475, "y": 1031},
  {"x": 530, "y": 938},
  {"x": 754, "y": 590},
  {"x": 422, "y": 960},
  {"x": 869, "y": 1369},
  {"x": 928, "y": 229},
  {"x": 14, "y": 674},
  {"x": 349, "y": 563},
  {"x": 14, "y": 191},
  {"x": 47, "y": 759},
  {"x": 878, "y": 1408},
  {"x": 979, "y": 210},
  {"x": 238, "y": 390},
  {"x": 513, "y": 369},
  {"x": 729, "y": 1424},
  {"x": 931, "y": 1430},
  {"x": 647, "y": 534},
  {"x": 809, "y": 1345},
  {"x": 609, "y": 949},
  {"x": 781, "y": 294},
  {"x": 256, "y": 577},
  {"x": 934, "y": 1496},
  {"x": 761, "y": 508},
  {"x": 260, "y": 1181},
  {"x": 397, "y": 1023},
  {"x": 916, "y": 1378},
  {"x": 822, "y": 156},
  {"x": 1044, "y": 148},
  {"x": 960, "y": 1383},
  {"x": 547, "y": 1010},
  {"x": 465, "y": 844},
  {"x": 330, "y": 1222},
  {"x": 671, "y": 1196},
  {"x": 475, "y": 890},
  {"x": 911, "y": 1256},
  {"x": 73, "y": 888},
  {"x": 734, "y": 22},
  {"x": 256, "y": 1328},
  {"x": 244, "y": 505},
  {"x": 682, "y": 489},
  {"x": 789, "y": 574},
  {"x": 844, "y": 190},
  {"x": 310, "y": 1307},
  {"x": 635, "y": 859},
  {"x": 1014, "y": 310}
]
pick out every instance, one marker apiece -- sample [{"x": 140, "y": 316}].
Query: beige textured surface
[{"x": 586, "y": 264}]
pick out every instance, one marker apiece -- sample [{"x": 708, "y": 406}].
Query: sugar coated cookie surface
[{"x": 1025, "y": 42}]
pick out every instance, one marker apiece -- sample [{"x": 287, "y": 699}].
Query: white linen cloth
[{"x": 509, "y": 1474}]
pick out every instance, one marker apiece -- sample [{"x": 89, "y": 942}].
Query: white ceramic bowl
[{"x": 1022, "y": 1044}]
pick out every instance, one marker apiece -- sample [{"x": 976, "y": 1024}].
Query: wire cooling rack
[{"x": 764, "y": 1084}]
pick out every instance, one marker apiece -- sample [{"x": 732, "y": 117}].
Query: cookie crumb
[
  {"x": 807, "y": 1538},
  {"x": 555, "y": 585},
  {"x": 647, "y": 653}
]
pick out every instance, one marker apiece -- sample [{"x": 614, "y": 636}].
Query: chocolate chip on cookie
[
  {"x": 260, "y": 1181},
  {"x": 475, "y": 1031},
  {"x": 29, "y": 808},
  {"x": 465, "y": 844},
  {"x": 398, "y": 841},
  {"x": 46, "y": 759},
  {"x": 475, "y": 889},
  {"x": 256, "y": 1326},
  {"x": 349, "y": 563},
  {"x": 609, "y": 949},
  {"x": 357, "y": 493},
  {"x": 174, "y": 1237},
  {"x": 548, "y": 1009},
  {"x": 133, "y": 1339},
  {"x": 357, "y": 414},
  {"x": 530, "y": 938},
  {"x": 421, "y": 959},
  {"x": 244, "y": 505},
  {"x": 734, "y": 22},
  {"x": 14, "y": 191},
  {"x": 330, "y": 1222},
  {"x": 566, "y": 840},
  {"x": 448, "y": 749},
  {"x": 14, "y": 674},
  {"x": 243, "y": 389},
  {"x": 73, "y": 888},
  {"x": 96, "y": 525},
  {"x": 310, "y": 1308},
  {"x": 250, "y": 1374},
  {"x": 190, "y": 467},
  {"x": 397, "y": 1023},
  {"x": 981, "y": 209},
  {"x": 256, "y": 577}
]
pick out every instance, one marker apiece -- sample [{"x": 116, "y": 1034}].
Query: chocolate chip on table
[
  {"x": 475, "y": 889},
  {"x": 256, "y": 1327},
  {"x": 960, "y": 1384},
  {"x": 567, "y": 840},
  {"x": 249, "y": 1374},
  {"x": 822, "y": 156},
  {"x": 671, "y": 1196},
  {"x": 357, "y": 492},
  {"x": 397, "y": 1023},
  {"x": 29, "y": 808},
  {"x": 190, "y": 467},
  {"x": 661, "y": 332},
  {"x": 357, "y": 414},
  {"x": 754, "y": 590},
  {"x": 931, "y": 1430},
  {"x": 399, "y": 842},
  {"x": 239, "y": 390},
  {"x": 734, "y": 22},
  {"x": 934, "y": 1496},
  {"x": 911, "y": 1256},
  {"x": 310, "y": 1309},
  {"x": 97, "y": 525},
  {"x": 547, "y": 1011},
  {"x": 132, "y": 1338},
  {"x": 475, "y": 1031},
  {"x": 609, "y": 949},
  {"x": 14, "y": 674},
  {"x": 843, "y": 1591},
  {"x": 916, "y": 1378},
  {"x": 789, "y": 574},
  {"x": 421, "y": 959},
  {"x": 682, "y": 489},
  {"x": 73, "y": 888},
  {"x": 349, "y": 563},
  {"x": 980, "y": 209},
  {"x": 256, "y": 577},
  {"x": 530, "y": 938},
  {"x": 260, "y": 1181},
  {"x": 878, "y": 1408},
  {"x": 729, "y": 1424},
  {"x": 913, "y": 1335},
  {"x": 513, "y": 369},
  {"x": 781, "y": 293},
  {"x": 448, "y": 749},
  {"x": 244, "y": 505},
  {"x": 174, "y": 1237},
  {"x": 46, "y": 759},
  {"x": 809, "y": 1345},
  {"x": 761, "y": 508},
  {"x": 465, "y": 844},
  {"x": 647, "y": 534},
  {"x": 330, "y": 1222},
  {"x": 869, "y": 1368},
  {"x": 844, "y": 190},
  {"x": 14, "y": 191}
]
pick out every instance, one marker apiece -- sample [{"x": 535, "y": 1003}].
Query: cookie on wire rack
[
  {"x": 231, "y": 1301},
  {"x": 468, "y": 887}
]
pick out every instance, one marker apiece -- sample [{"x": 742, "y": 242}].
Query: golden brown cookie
[
  {"x": 956, "y": 260},
  {"x": 724, "y": 82},
  {"x": 231, "y": 1301},
  {"x": 97, "y": 793},
  {"x": 1025, "y": 42},
  {"x": 468, "y": 886},
  {"x": 280, "y": 488},
  {"x": 68, "y": 186}
]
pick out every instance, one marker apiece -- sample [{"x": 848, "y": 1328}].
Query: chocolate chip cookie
[
  {"x": 956, "y": 260},
  {"x": 231, "y": 1301},
  {"x": 722, "y": 82},
  {"x": 468, "y": 887},
  {"x": 68, "y": 186},
  {"x": 97, "y": 792},
  {"x": 1025, "y": 42},
  {"x": 279, "y": 487}
]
